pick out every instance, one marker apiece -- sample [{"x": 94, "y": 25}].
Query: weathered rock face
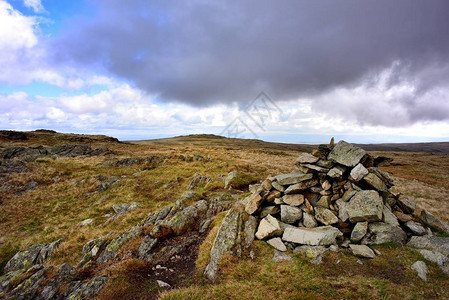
[
  {"x": 325, "y": 235},
  {"x": 362, "y": 251},
  {"x": 290, "y": 214},
  {"x": 31, "y": 153},
  {"x": 229, "y": 240},
  {"x": 36, "y": 254},
  {"x": 292, "y": 178},
  {"x": 359, "y": 231},
  {"x": 347, "y": 154},
  {"x": 268, "y": 227},
  {"x": 365, "y": 206}
]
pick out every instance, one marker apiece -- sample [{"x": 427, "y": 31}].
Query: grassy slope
[{"x": 67, "y": 195}]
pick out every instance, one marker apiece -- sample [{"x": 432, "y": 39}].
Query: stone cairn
[{"x": 338, "y": 195}]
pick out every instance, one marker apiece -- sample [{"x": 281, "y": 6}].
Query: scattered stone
[
  {"x": 163, "y": 284},
  {"x": 362, "y": 251},
  {"x": 421, "y": 269},
  {"x": 279, "y": 256},
  {"x": 318, "y": 236},
  {"x": 277, "y": 244},
  {"x": 86, "y": 222},
  {"x": 290, "y": 214}
]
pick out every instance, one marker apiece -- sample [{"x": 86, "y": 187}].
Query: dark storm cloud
[{"x": 205, "y": 52}]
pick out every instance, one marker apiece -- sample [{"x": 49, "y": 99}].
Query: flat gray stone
[
  {"x": 292, "y": 178},
  {"x": 306, "y": 158},
  {"x": 301, "y": 186},
  {"x": 277, "y": 244},
  {"x": 362, "y": 251},
  {"x": 381, "y": 233},
  {"x": 359, "y": 231},
  {"x": 318, "y": 236},
  {"x": 421, "y": 269},
  {"x": 290, "y": 214},
  {"x": 358, "y": 172},
  {"x": 416, "y": 228},
  {"x": 346, "y": 154},
  {"x": 293, "y": 199}
]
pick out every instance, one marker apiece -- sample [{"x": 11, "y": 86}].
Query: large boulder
[
  {"x": 380, "y": 233},
  {"x": 366, "y": 205},
  {"x": 111, "y": 250},
  {"x": 347, "y": 154},
  {"x": 318, "y": 236},
  {"x": 226, "y": 241},
  {"x": 433, "y": 243}
]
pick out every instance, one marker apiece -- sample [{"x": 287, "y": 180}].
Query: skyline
[{"x": 367, "y": 72}]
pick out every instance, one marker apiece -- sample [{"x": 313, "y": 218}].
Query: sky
[{"x": 295, "y": 71}]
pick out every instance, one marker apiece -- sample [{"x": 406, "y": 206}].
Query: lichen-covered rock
[
  {"x": 111, "y": 250},
  {"x": 366, "y": 205},
  {"x": 198, "y": 180},
  {"x": 225, "y": 242},
  {"x": 183, "y": 221},
  {"x": 36, "y": 254},
  {"x": 375, "y": 182},
  {"x": 389, "y": 217},
  {"x": 381, "y": 233},
  {"x": 89, "y": 289},
  {"x": 228, "y": 180},
  {"x": 27, "y": 289},
  {"x": 346, "y": 154},
  {"x": 358, "y": 172}
]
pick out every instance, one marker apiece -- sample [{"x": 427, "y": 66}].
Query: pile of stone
[{"x": 338, "y": 195}]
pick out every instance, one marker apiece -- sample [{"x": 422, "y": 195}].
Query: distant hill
[{"x": 439, "y": 147}]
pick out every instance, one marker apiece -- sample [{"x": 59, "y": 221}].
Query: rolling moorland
[{"x": 103, "y": 187}]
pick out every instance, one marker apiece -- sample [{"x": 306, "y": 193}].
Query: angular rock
[
  {"x": 389, "y": 217},
  {"x": 430, "y": 220},
  {"x": 269, "y": 210},
  {"x": 301, "y": 186},
  {"x": 319, "y": 236},
  {"x": 380, "y": 233},
  {"x": 306, "y": 158},
  {"x": 198, "y": 180},
  {"x": 316, "y": 168},
  {"x": 253, "y": 202},
  {"x": 268, "y": 227},
  {"x": 324, "y": 202},
  {"x": 326, "y": 185},
  {"x": 348, "y": 195},
  {"x": 292, "y": 178},
  {"x": 277, "y": 244},
  {"x": 346, "y": 154},
  {"x": 183, "y": 221},
  {"x": 90, "y": 251},
  {"x": 67, "y": 272},
  {"x": 421, "y": 269},
  {"x": 362, "y": 251},
  {"x": 366, "y": 205},
  {"x": 163, "y": 284},
  {"x": 358, "y": 172},
  {"x": 375, "y": 182},
  {"x": 293, "y": 199},
  {"x": 407, "y": 205},
  {"x": 250, "y": 227},
  {"x": 336, "y": 172},
  {"x": 86, "y": 222},
  {"x": 416, "y": 228},
  {"x": 325, "y": 216},
  {"x": 359, "y": 231},
  {"x": 277, "y": 186},
  {"x": 308, "y": 220},
  {"x": 28, "y": 288},
  {"x": 342, "y": 210},
  {"x": 290, "y": 214},
  {"x": 435, "y": 257},
  {"x": 89, "y": 289},
  {"x": 36, "y": 254}
]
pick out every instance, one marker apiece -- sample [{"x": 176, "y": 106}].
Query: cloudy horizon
[{"x": 365, "y": 71}]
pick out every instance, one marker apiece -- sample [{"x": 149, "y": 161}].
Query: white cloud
[{"x": 36, "y": 5}]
